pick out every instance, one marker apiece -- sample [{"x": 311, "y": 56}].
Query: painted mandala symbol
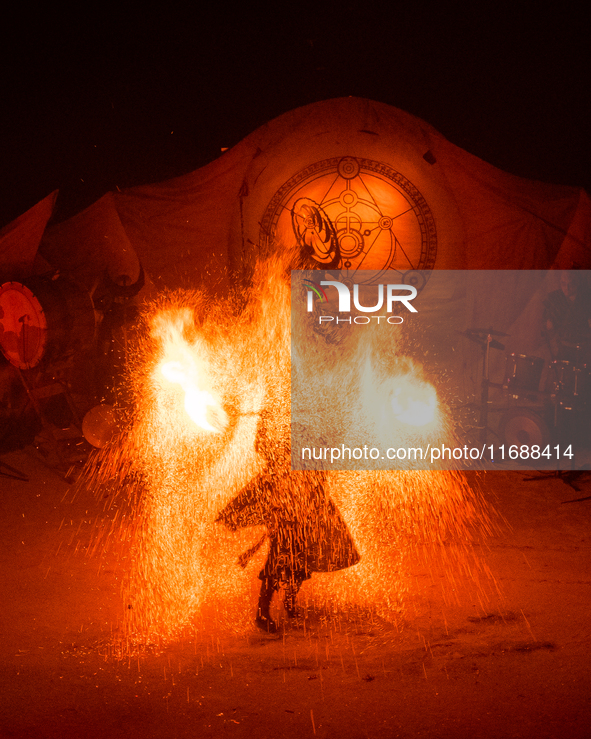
[{"x": 353, "y": 214}]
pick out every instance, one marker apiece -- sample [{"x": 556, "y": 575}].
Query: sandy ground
[{"x": 519, "y": 666}]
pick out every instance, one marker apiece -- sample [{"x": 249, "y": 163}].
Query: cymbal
[
  {"x": 481, "y": 340},
  {"x": 476, "y": 339},
  {"x": 487, "y": 331},
  {"x": 570, "y": 345}
]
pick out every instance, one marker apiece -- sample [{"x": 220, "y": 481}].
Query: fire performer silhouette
[{"x": 306, "y": 531}]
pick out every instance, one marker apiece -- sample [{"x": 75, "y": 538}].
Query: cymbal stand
[
  {"x": 485, "y": 339},
  {"x": 484, "y": 401}
]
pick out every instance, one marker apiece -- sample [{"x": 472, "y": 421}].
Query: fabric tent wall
[
  {"x": 92, "y": 242},
  {"x": 204, "y": 229},
  {"x": 513, "y": 223},
  {"x": 20, "y": 239},
  {"x": 185, "y": 230}
]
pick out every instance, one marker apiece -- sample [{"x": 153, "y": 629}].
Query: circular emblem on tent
[{"x": 353, "y": 214}]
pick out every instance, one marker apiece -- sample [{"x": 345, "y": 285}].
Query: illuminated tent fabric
[
  {"x": 20, "y": 239},
  {"x": 185, "y": 230},
  {"x": 513, "y": 223},
  {"x": 395, "y": 192},
  {"x": 92, "y": 242},
  {"x": 205, "y": 227}
]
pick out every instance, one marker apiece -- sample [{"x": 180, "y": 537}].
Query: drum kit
[{"x": 541, "y": 402}]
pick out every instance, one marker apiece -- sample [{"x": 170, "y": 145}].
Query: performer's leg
[
  {"x": 263, "y": 619},
  {"x": 291, "y": 593}
]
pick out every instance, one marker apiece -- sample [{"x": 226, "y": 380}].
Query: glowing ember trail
[
  {"x": 182, "y": 369},
  {"x": 204, "y": 382},
  {"x": 413, "y": 404},
  {"x": 196, "y": 401}
]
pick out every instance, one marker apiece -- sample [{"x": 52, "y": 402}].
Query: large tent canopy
[
  {"x": 450, "y": 209},
  {"x": 362, "y": 184}
]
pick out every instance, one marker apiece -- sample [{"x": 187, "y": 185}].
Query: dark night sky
[{"x": 97, "y": 100}]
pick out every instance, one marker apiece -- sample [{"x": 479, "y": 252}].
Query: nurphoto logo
[{"x": 394, "y": 295}]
